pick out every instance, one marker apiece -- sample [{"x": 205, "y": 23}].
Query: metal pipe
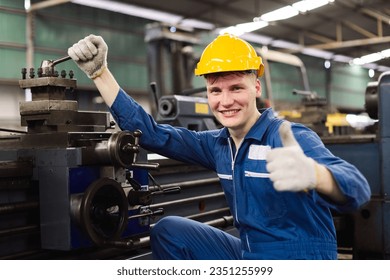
[
  {"x": 20, "y": 184},
  {"x": 187, "y": 200},
  {"x": 208, "y": 213},
  {"x": 13, "y": 130},
  {"x": 30, "y": 254},
  {"x": 221, "y": 222},
  {"x": 186, "y": 184},
  {"x": 18, "y": 207},
  {"x": 19, "y": 230}
]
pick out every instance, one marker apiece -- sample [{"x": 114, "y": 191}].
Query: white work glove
[
  {"x": 90, "y": 55},
  {"x": 290, "y": 169}
]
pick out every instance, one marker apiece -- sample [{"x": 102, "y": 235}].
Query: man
[{"x": 279, "y": 179}]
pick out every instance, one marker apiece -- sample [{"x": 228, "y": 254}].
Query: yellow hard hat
[{"x": 229, "y": 53}]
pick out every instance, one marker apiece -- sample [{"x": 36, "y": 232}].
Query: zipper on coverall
[{"x": 234, "y": 186}]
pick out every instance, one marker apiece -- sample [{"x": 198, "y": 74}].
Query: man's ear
[{"x": 258, "y": 88}]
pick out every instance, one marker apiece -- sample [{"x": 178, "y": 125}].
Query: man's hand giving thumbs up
[{"x": 290, "y": 169}]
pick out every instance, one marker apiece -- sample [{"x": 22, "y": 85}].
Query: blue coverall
[{"x": 271, "y": 224}]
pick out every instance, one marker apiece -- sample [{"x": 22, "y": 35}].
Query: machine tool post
[{"x": 47, "y": 67}]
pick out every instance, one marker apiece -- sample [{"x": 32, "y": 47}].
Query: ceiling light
[
  {"x": 308, "y": 5},
  {"x": 385, "y": 53},
  {"x": 367, "y": 59},
  {"x": 230, "y": 30},
  {"x": 27, "y": 4},
  {"x": 293, "y": 10},
  {"x": 252, "y": 26},
  {"x": 240, "y": 29},
  {"x": 279, "y": 14},
  {"x": 371, "y": 57}
]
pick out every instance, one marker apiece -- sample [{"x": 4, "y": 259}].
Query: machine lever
[
  {"x": 173, "y": 190},
  {"x": 61, "y": 60},
  {"x": 305, "y": 93},
  {"x": 153, "y": 86},
  {"x": 51, "y": 63},
  {"x": 135, "y": 148},
  {"x": 145, "y": 165},
  {"x": 150, "y": 213}
]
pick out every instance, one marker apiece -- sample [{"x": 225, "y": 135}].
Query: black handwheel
[{"x": 104, "y": 211}]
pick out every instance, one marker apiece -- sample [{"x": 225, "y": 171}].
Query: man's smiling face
[{"x": 232, "y": 99}]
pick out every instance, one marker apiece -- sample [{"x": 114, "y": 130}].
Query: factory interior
[{"x": 74, "y": 186}]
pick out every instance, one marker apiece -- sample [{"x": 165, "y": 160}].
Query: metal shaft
[
  {"x": 61, "y": 60},
  {"x": 186, "y": 200}
]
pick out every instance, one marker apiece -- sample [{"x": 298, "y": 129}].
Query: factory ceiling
[{"x": 351, "y": 28}]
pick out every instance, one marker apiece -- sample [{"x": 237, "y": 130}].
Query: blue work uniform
[{"x": 271, "y": 224}]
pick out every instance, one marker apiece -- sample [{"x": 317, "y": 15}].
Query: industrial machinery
[
  {"x": 66, "y": 182},
  {"x": 367, "y": 232},
  {"x": 170, "y": 48},
  {"x": 312, "y": 110}
]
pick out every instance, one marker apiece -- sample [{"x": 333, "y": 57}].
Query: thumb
[{"x": 287, "y": 136}]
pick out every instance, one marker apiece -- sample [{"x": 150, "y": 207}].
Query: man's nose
[{"x": 226, "y": 99}]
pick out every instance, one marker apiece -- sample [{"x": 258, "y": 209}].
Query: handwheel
[{"x": 104, "y": 211}]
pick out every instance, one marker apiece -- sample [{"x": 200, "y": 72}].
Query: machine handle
[
  {"x": 145, "y": 165},
  {"x": 61, "y": 60},
  {"x": 173, "y": 190},
  {"x": 150, "y": 213}
]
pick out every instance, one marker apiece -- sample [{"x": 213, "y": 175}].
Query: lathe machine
[{"x": 73, "y": 186}]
